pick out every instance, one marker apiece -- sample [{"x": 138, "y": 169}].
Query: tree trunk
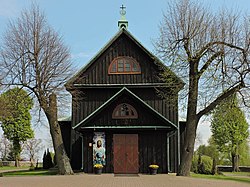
[
  {"x": 235, "y": 163},
  {"x": 192, "y": 122},
  {"x": 214, "y": 168},
  {"x": 188, "y": 149},
  {"x": 237, "y": 167},
  {"x": 32, "y": 162},
  {"x": 17, "y": 151},
  {"x": 17, "y": 163},
  {"x": 62, "y": 159}
]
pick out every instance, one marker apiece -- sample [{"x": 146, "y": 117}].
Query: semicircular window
[
  {"x": 124, "y": 65},
  {"x": 124, "y": 111}
]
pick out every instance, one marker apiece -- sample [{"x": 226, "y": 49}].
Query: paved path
[{"x": 108, "y": 180}]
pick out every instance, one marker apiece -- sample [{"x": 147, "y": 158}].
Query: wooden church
[{"x": 118, "y": 118}]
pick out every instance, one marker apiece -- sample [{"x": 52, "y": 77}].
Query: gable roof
[
  {"x": 109, "y": 101},
  {"x": 117, "y": 35}
]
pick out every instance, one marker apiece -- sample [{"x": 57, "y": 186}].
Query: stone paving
[{"x": 109, "y": 180}]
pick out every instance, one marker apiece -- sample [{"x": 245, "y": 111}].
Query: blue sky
[{"x": 87, "y": 25}]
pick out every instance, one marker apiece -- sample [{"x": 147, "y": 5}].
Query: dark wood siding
[
  {"x": 152, "y": 150},
  {"x": 76, "y": 150},
  {"x": 145, "y": 116},
  {"x": 94, "y": 98},
  {"x": 182, "y": 134},
  {"x": 87, "y": 152},
  {"x": 65, "y": 127},
  {"x": 97, "y": 73},
  {"x": 153, "y": 144},
  {"x": 173, "y": 154}
]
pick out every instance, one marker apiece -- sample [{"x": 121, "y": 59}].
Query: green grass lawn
[
  {"x": 29, "y": 173},
  {"x": 237, "y": 176},
  {"x": 12, "y": 168},
  {"x": 246, "y": 174}
]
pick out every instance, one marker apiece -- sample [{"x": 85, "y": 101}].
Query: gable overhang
[
  {"x": 155, "y": 59},
  {"x": 109, "y": 101},
  {"x": 146, "y": 127}
]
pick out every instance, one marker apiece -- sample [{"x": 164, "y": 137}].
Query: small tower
[{"x": 123, "y": 23}]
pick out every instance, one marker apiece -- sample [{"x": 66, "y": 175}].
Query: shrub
[
  {"x": 202, "y": 164},
  {"x": 194, "y": 165},
  {"x": 32, "y": 168},
  {"x": 206, "y": 165}
]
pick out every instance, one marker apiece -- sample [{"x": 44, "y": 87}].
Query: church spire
[{"x": 123, "y": 23}]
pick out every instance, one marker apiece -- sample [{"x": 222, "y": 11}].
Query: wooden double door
[{"x": 125, "y": 147}]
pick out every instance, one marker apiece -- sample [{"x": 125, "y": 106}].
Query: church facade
[{"x": 118, "y": 118}]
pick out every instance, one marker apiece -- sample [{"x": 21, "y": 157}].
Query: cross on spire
[
  {"x": 122, "y": 11},
  {"x": 123, "y": 7},
  {"x": 123, "y": 23}
]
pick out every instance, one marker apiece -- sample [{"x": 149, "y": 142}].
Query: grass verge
[
  {"x": 12, "y": 168},
  {"x": 223, "y": 177},
  {"x": 29, "y": 173}
]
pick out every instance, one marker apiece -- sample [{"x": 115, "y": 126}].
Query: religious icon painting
[{"x": 99, "y": 156}]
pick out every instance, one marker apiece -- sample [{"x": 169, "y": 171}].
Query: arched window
[
  {"x": 124, "y": 111},
  {"x": 124, "y": 65}
]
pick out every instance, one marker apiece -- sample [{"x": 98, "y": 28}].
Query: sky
[{"x": 87, "y": 25}]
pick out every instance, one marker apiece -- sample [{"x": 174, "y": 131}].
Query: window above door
[
  {"x": 124, "y": 65},
  {"x": 124, "y": 111}
]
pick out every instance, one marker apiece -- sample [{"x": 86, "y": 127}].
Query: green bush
[
  {"x": 194, "y": 164},
  {"x": 204, "y": 166},
  {"x": 32, "y": 168}
]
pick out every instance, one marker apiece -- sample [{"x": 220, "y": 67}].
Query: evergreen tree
[
  {"x": 44, "y": 160},
  {"x": 47, "y": 160}
]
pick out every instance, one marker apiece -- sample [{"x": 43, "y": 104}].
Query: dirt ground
[{"x": 109, "y": 180}]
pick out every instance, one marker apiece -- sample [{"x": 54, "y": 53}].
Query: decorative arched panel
[
  {"x": 124, "y": 65},
  {"x": 124, "y": 111}
]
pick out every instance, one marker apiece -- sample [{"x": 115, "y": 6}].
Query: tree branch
[
  {"x": 209, "y": 61},
  {"x": 211, "y": 44},
  {"x": 219, "y": 99},
  {"x": 186, "y": 43}
]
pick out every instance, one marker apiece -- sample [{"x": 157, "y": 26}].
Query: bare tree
[
  {"x": 31, "y": 148},
  {"x": 33, "y": 56},
  {"x": 210, "y": 51}
]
